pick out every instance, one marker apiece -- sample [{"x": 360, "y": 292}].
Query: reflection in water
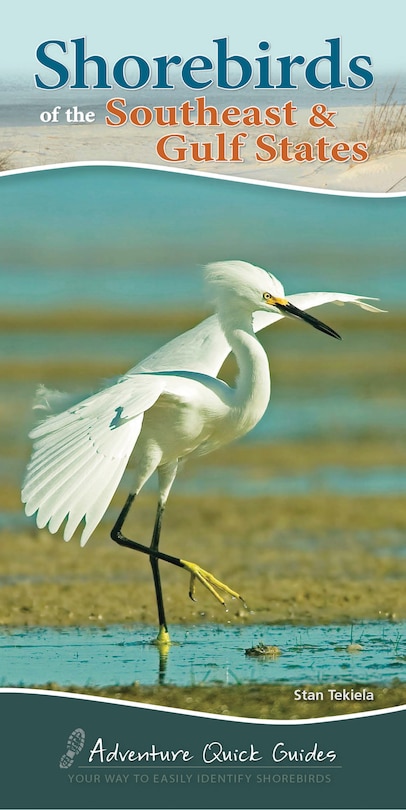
[
  {"x": 163, "y": 646},
  {"x": 371, "y": 652}
]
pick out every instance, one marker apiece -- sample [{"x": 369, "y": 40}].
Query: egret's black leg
[
  {"x": 154, "y": 557},
  {"x": 119, "y": 538},
  {"x": 122, "y": 516},
  {"x": 196, "y": 572},
  {"x": 163, "y": 628}
]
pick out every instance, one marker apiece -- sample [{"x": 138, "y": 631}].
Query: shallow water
[
  {"x": 71, "y": 248},
  {"x": 341, "y": 480},
  {"x": 207, "y": 654}
]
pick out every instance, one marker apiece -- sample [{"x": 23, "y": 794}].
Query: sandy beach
[{"x": 55, "y": 144}]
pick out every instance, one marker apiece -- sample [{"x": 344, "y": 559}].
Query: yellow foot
[
  {"x": 209, "y": 581},
  {"x": 163, "y": 638}
]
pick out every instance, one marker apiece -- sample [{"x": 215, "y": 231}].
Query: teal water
[
  {"x": 340, "y": 480},
  {"x": 205, "y": 654},
  {"x": 137, "y": 238}
]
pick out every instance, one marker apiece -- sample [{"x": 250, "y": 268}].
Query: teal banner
[{"x": 69, "y": 751}]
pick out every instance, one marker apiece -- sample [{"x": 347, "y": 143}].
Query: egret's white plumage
[{"x": 170, "y": 406}]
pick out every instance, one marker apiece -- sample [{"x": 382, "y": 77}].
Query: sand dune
[{"x": 48, "y": 144}]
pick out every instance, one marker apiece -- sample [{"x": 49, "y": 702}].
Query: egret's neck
[{"x": 253, "y": 386}]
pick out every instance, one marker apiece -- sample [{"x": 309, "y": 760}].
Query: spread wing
[{"x": 79, "y": 455}]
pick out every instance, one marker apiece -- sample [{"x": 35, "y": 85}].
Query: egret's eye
[{"x": 267, "y": 296}]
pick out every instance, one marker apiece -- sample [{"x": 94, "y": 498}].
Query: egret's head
[
  {"x": 240, "y": 285},
  {"x": 250, "y": 286}
]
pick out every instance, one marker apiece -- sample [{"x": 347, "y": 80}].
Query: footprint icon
[{"x": 74, "y": 745}]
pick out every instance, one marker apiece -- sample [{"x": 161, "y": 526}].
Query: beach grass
[
  {"x": 5, "y": 161},
  {"x": 384, "y": 129}
]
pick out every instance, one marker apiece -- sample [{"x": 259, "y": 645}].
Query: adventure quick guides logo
[{"x": 214, "y": 763}]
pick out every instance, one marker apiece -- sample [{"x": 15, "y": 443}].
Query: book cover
[{"x": 202, "y": 329}]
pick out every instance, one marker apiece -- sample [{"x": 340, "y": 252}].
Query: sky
[{"x": 152, "y": 29}]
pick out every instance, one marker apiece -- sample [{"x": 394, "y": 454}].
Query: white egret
[{"x": 169, "y": 407}]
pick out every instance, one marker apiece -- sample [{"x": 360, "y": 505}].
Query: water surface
[{"x": 206, "y": 654}]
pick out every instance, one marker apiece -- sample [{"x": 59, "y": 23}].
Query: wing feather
[
  {"x": 79, "y": 456},
  {"x": 58, "y": 497}
]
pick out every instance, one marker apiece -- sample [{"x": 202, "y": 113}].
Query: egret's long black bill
[{"x": 290, "y": 309}]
